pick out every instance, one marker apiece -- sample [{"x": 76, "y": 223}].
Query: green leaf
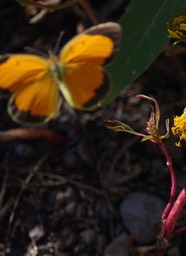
[
  {"x": 167, "y": 135},
  {"x": 148, "y": 137},
  {"x": 118, "y": 126},
  {"x": 144, "y": 37}
]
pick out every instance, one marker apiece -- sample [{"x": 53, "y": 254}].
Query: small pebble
[
  {"x": 36, "y": 233},
  {"x": 88, "y": 236},
  {"x": 118, "y": 247}
]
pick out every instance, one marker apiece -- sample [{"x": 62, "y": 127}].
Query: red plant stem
[
  {"x": 174, "y": 214},
  {"x": 179, "y": 230},
  {"x": 168, "y": 226},
  {"x": 173, "y": 182}
]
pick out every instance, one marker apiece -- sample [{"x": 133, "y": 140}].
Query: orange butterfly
[{"x": 77, "y": 72}]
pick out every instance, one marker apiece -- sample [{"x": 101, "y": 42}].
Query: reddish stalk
[
  {"x": 168, "y": 227},
  {"x": 173, "y": 182}
]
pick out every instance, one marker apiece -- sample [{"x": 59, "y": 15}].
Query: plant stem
[
  {"x": 174, "y": 214},
  {"x": 173, "y": 182},
  {"x": 169, "y": 216},
  {"x": 168, "y": 226}
]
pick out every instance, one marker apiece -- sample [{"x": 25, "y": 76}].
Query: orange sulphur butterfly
[{"x": 77, "y": 72}]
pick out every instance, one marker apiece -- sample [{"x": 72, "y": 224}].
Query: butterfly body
[
  {"x": 34, "y": 82},
  {"x": 56, "y": 69}
]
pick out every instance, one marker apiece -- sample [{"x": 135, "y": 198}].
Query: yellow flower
[
  {"x": 177, "y": 27},
  {"x": 179, "y": 127}
]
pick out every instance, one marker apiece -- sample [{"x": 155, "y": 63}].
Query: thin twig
[
  {"x": 118, "y": 156},
  {"x": 23, "y": 188},
  {"x": 89, "y": 11},
  {"x": 3, "y": 188},
  {"x": 78, "y": 184}
]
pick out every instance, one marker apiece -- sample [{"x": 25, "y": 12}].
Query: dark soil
[{"x": 64, "y": 200}]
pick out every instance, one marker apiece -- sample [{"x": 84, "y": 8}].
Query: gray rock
[{"x": 141, "y": 214}]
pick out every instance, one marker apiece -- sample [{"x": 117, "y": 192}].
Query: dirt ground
[{"x": 66, "y": 200}]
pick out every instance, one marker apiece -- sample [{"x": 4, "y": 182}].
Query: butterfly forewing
[
  {"x": 19, "y": 70},
  {"x": 85, "y": 82},
  {"x": 95, "y": 47}
]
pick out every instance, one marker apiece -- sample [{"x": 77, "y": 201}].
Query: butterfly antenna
[
  {"x": 35, "y": 51},
  {"x": 56, "y": 48}
]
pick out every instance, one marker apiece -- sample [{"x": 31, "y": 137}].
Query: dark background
[{"x": 65, "y": 199}]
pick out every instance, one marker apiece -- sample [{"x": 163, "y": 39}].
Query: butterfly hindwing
[
  {"x": 35, "y": 103},
  {"x": 85, "y": 86}
]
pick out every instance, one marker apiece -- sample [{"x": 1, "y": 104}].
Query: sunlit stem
[{"x": 174, "y": 214}]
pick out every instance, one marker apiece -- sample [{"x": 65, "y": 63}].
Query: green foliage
[{"x": 144, "y": 37}]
